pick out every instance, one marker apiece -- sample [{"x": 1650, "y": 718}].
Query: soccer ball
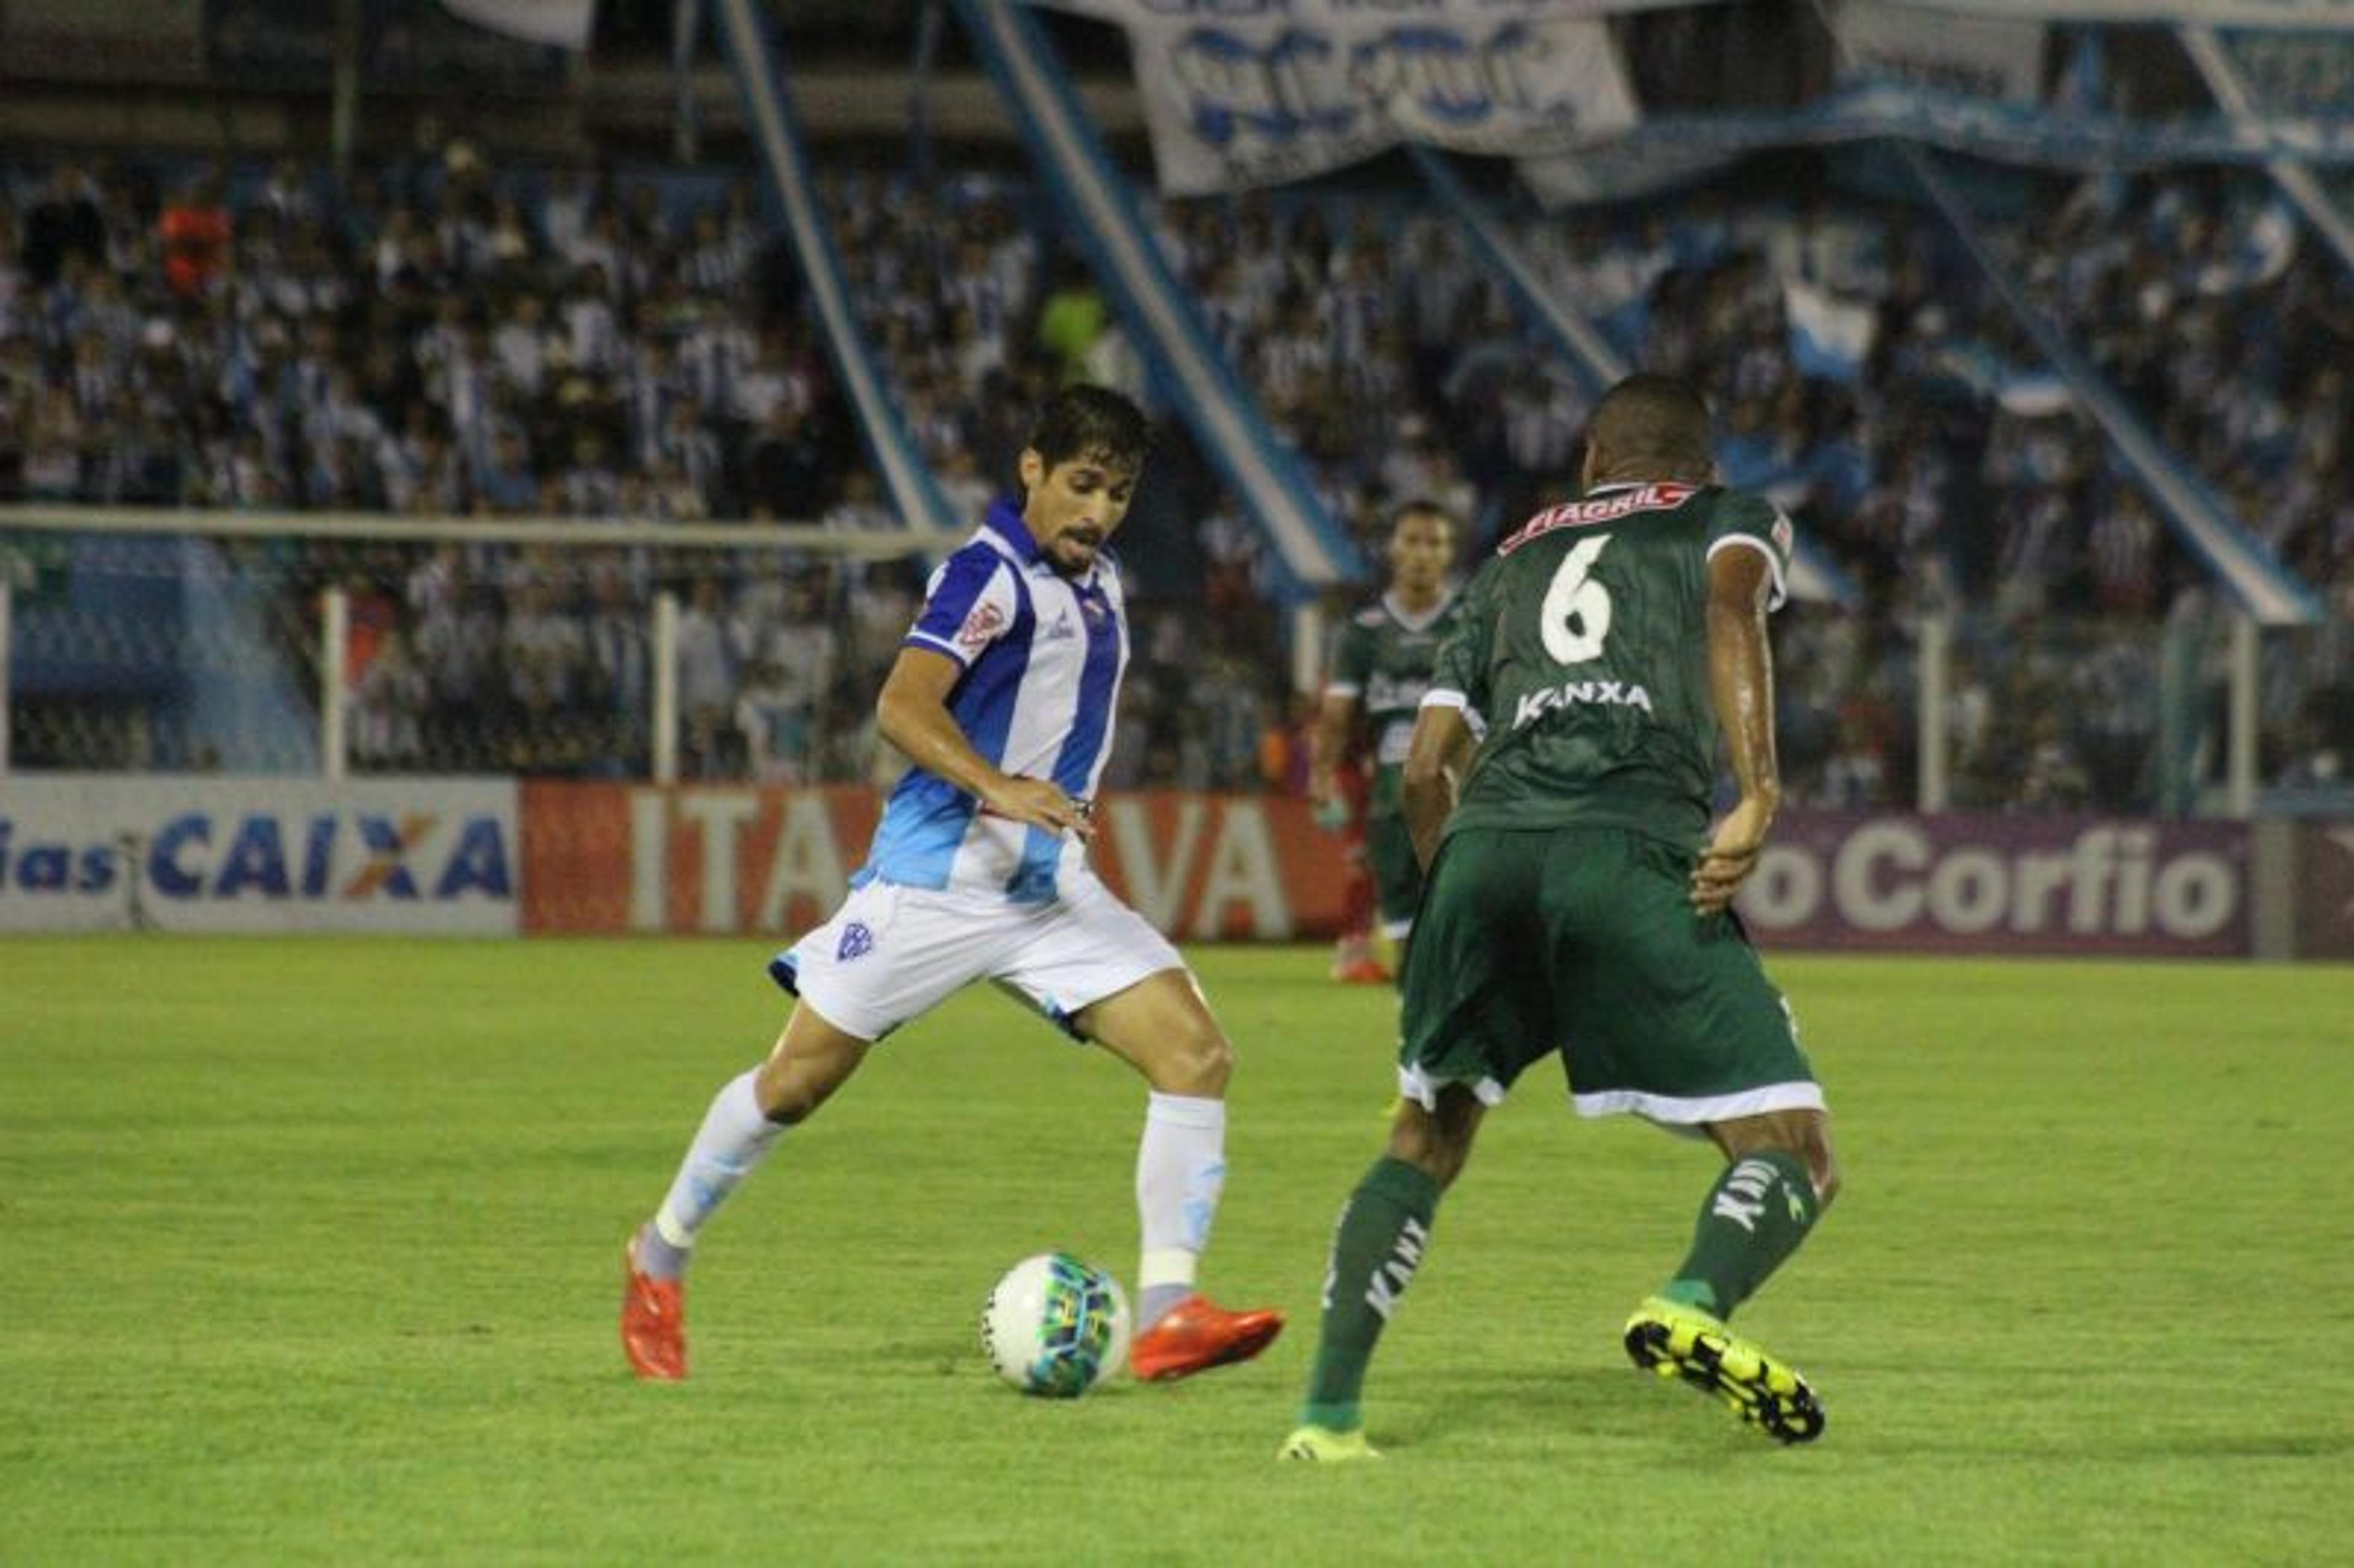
[{"x": 1056, "y": 1326}]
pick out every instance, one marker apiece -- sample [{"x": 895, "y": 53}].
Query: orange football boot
[
  {"x": 653, "y": 1321},
  {"x": 1196, "y": 1335},
  {"x": 1354, "y": 963}
]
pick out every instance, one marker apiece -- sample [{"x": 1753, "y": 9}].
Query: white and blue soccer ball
[{"x": 1056, "y": 1326}]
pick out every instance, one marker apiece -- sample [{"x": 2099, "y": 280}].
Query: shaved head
[{"x": 1648, "y": 427}]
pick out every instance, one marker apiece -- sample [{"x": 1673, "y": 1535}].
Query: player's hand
[
  {"x": 1042, "y": 804},
  {"x": 1732, "y": 854}
]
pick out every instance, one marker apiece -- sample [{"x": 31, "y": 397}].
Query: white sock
[
  {"x": 729, "y": 1146},
  {"x": 1181, "y": 1170}
]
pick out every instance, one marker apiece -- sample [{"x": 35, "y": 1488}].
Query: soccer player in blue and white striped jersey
[{"x": 1001, "y": 697}]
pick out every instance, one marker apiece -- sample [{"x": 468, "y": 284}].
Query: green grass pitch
[{"x": 311, "y": 1250}]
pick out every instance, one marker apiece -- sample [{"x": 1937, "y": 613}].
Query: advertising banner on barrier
[
  {"x": 1964, "y": 884},
  {"x": 711, "y": 858},
  {"x": 488, "y": 857},
  {"x": 114, "y": 852},
  {"x": 2325, "y": 917}
]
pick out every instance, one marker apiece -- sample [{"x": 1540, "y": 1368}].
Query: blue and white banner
[
  {"x": 1830, "y": 338},
  {"x": 1243, "y": 94},
  {"x": 1311, "y": 549},
  {"x": 2323, "y": 14},
  {"x": 1996, "y": 57},
  {"x": 561, "y": 23},
  {"x": 2012, "y": 132}
]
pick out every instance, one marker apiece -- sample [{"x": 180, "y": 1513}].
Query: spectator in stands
[
  {"x": 349, "y": 305},
  {"x": 523, "y": 342},
  {"x": 389, "y": 705},
  {"x": 66, "y": 222},
  {"x": 688, "y": 454},
  {"x": 506, "y": 485},
  {"x": 785, "y": 466},
  {"x": 457, "y": 639},
  {"x": 543, "y": 648},
  {"x": 859, "y": 509},
  {"x": 194, "y": 233},
  {"x": 707, "y": 667},
  {"x": 1072, "y": 318},
  {"x": 52, "y": 463},
  {"x": 617, "y": 696}
]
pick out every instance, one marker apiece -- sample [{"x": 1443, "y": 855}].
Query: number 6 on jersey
[{"x": 1575, "y": 616}]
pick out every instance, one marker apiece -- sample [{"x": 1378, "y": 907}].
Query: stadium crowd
[{"x": 446, "y": 338}]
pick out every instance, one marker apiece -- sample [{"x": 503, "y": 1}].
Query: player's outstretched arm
[
  {"x": 1741, "y": 685},
  {"x": 1442, "y": 740},
  {"x": 913, "y": 713},
  {"x": 1327, "y": 744}
]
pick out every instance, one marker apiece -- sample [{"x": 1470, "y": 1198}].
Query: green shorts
[
  {"x": 1397, "y": 875},
  {"x": 1584, "y": 941}
]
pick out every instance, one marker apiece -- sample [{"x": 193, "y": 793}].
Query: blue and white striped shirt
[{"x": 1043, "y": 654}]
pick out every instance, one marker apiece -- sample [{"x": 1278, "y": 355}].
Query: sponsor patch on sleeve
[{"x": 981, "y": 627}]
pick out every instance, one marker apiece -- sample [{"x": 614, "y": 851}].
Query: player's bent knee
[
  {"x": 1437, "y": 1144},
  {"x": 1198, "y": 1064},
  {"x": 1812, "y": 1144},
  {"x": 789, "y": 1094},
  {"x": 1824, "y": 1167},
  {"x": 1802, "y": 1135}
]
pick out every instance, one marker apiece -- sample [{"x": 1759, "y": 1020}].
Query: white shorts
[{"x": 892, "y": 953}]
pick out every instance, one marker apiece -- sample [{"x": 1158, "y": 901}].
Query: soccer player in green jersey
[
  {"x": 1578, "y": 900},
  {"x": 1381, "y": 663}
]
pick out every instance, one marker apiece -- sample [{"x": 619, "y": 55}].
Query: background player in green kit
[
  {"x": 1380, "y": 668},
  {"x": 1579, "y": 900}
]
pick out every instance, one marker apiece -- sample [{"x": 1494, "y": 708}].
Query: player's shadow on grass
[{"x": 1540, "y": 1407}]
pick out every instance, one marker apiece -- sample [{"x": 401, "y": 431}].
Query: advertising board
[{"x": 180, "y": 853}]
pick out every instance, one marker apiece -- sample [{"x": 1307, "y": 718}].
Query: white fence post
[
  {"x": 1933, "y": 789},
  {"x": 2246, "y": 700},
  {"x": 665, "y": 655},
  {"x": 334, "y": 659},
  {"x": 1307, "y": 647}
]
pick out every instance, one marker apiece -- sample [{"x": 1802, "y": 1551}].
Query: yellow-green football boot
[
  {"x": 1324, "y": 1445},
  {"x": 1680, "y": 1341}
]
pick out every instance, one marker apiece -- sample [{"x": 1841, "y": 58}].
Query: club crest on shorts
[{"x": 857, "y": 941}]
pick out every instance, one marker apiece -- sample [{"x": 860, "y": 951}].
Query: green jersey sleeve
[{"x": 1743, "y": 521}]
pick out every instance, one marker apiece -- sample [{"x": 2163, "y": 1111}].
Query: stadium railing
[{"x": 291, "y": 643}]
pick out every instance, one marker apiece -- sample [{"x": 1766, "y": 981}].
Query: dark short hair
[
  {"x": 1652, "y": 416},
  {"x": 1087, "y": 421},
  {"x": 1422, "y": 506}
]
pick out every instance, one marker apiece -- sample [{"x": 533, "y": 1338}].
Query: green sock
[
  {"x": 1756, "y": 1215},
  {"x": 1380, "y": 1241}
]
